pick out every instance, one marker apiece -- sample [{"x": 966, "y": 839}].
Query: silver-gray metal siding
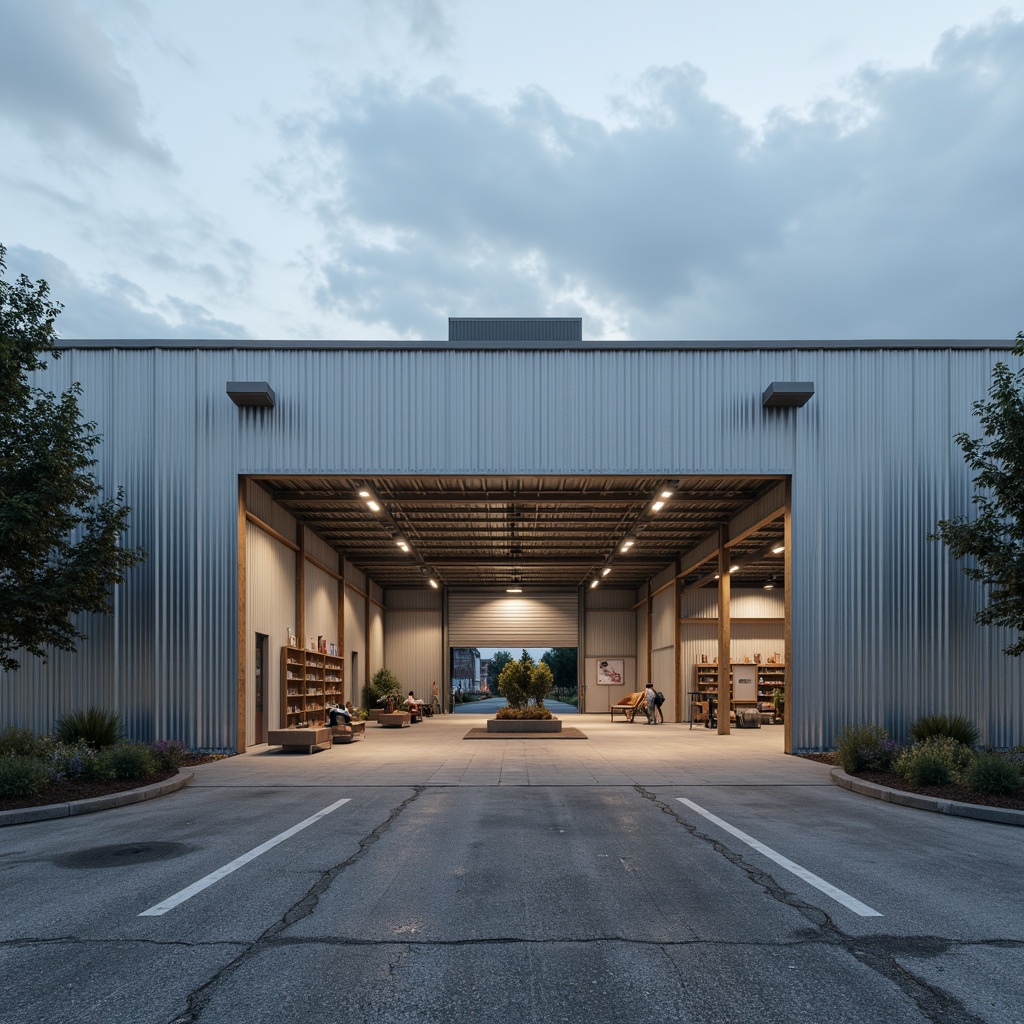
[{"x": 882, "y": 618}]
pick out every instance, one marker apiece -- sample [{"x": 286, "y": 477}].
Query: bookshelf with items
[
  {"x": 311, "y": 682},
  {"x": 770, "y": 677}
]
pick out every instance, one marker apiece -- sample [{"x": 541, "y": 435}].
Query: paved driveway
[{"x": 638, "y": 875}]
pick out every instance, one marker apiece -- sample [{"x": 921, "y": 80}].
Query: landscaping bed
[{"x": 951, "y": 791}]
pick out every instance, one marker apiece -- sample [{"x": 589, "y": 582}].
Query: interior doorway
[{"x": 262, "y": 654}]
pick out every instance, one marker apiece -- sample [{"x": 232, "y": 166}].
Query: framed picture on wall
[{"x": 611, "y": 672}]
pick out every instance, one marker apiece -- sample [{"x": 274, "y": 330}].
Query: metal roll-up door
[{"x": 501, "y": 620}]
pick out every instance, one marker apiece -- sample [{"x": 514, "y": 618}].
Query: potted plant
[
  {"x": 779, "y": 703},
  {"x": 382, "y": 687},
  {"x": 517, "y": 683}
]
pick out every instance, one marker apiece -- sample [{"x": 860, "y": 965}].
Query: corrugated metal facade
[{"x": 882, "y": 618}]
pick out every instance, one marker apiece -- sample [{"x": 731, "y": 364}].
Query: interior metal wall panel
[
  {"x": 270, "y": 609},
  {"x": 413, "y": 647},
  {"x": 513, "y": 621},
  {"x": 882, "y": 619}
]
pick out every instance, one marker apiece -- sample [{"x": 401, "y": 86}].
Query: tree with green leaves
[
  {"x": 993, "y": 540},
  {"x": 563, "y": 664},
  {"x": 60, "y": 541},
  {"x": 498, "y": 662}
]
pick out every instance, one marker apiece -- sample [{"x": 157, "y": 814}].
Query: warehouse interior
[{"x": 394, "y": 571}]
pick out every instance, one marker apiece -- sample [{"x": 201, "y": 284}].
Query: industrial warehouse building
[{"x": 661, "y": 506}]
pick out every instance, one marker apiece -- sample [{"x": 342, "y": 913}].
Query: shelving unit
[
  {"x": 310, "y": 682},
  {"x": 770, "y": 677}
]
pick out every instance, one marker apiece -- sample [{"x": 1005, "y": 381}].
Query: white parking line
[
  {"x": 215, "y": 876},
  {"x": 862, "y": 909}
]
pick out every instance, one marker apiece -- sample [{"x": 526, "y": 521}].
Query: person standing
[{"x": 651, "y": 700}]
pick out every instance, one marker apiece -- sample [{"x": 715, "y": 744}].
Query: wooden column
[
  {"x": 242, "y": 626},
  {"x": 787, "y": 721},
  {"x": 345, "y": 695},
  {"x": 650, "y": 601},
  {"x": 724, "y": 636},
  {"x": 300, "y": 589},
  {"x": 677, "y": 642}
]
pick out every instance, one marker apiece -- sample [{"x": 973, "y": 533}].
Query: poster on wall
[{"x": 611, "y": 672}]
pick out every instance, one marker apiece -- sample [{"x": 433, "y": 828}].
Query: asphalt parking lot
[{"x": 642, "y": 874}]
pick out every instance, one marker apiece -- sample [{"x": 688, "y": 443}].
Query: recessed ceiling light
[
  {"x": 627, "y": 544},
  {"x": 374, "y": 507},
  {"x": 594, "y": 583},
  {"x": 364, "y": 494},
  {"x": 433, "y": 582},
  {"x": 666, "y": 494},
  {"x": 607, "y": 569},
  {"x": 657, "y": 506}
]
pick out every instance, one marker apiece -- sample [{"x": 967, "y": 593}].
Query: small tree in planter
[
  {"x": 518, "y": 682},
  {"x": 383, "y": 685}
]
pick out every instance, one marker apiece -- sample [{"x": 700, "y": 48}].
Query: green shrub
[
  {"x": 936, "y": 761},
  {"x": 534, "y": 712},
  {"x": 71, "y": 761},
  {"x": 865, "y": 748},
  {"x": 169, "y": 754},
  {"x": 956, "y": 727},
  {"x": 21, "y": 775},
  {"x": 23, "y": 742},
  {"x": 132, "y": 760},
  {"x": 102, "y": 767},
  {"x": 95, "y": 726},
  {"x": 993, "y": 774}
]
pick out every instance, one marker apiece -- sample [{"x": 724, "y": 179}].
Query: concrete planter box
[
  {"x": 394, "y": 720},
  {"x": 524, "y": 725}
]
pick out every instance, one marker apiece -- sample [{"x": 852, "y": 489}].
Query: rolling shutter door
[{"x": 492, "y": 620}]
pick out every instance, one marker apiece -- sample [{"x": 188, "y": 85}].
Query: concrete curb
[
  {"x": 1002, "y": 815},
  {"x": 96, "y": 803}
]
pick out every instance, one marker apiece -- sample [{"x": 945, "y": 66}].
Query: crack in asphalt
[
  {"x": 199, "y": 998},
  {"x": 877, "y": 952}
]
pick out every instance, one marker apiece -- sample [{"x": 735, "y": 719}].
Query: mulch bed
[
  {"x": 77, "y": 789},
  {"x": 961, "y": 794}
]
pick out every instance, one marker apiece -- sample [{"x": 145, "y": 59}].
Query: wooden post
[
  {"x": 243, "y": 636},
  {"x": 677, "y": 642},
  {"x": 650, "y": 628},
  {"x": 724, "y": 636},
  {"x": 787, "y": 634},
  {"x": 300, "y": 589},
  {"x": 341, "y": 631}
]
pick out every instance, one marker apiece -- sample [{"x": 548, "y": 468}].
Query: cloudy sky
[{"x": 687, "y": 169}]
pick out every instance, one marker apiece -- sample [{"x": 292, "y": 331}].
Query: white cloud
[
  {"x": 59, "y": 75},
  {"x": 895, "y": 213},
  {"x": 115, "y": 307}
]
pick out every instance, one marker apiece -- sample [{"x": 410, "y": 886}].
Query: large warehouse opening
[{"x": 681, "y": 580}]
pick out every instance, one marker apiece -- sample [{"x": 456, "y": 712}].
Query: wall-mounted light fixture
[
  {"x": 787, "y": 394},
  {"x": 251, "y": 392}
]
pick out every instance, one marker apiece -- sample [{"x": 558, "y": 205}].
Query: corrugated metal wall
[
  {"x": 413, "y": 639},
  {"x": 882, "y": 626},
  {"x": 609, "y": 632},
  {"x": 513, "y": 621}
]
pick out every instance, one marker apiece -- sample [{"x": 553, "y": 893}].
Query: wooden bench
[
  {"x": 316, "y": 737},
  {"x": 629, "y": 706},
  {"x": 348, "y": 733}
]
